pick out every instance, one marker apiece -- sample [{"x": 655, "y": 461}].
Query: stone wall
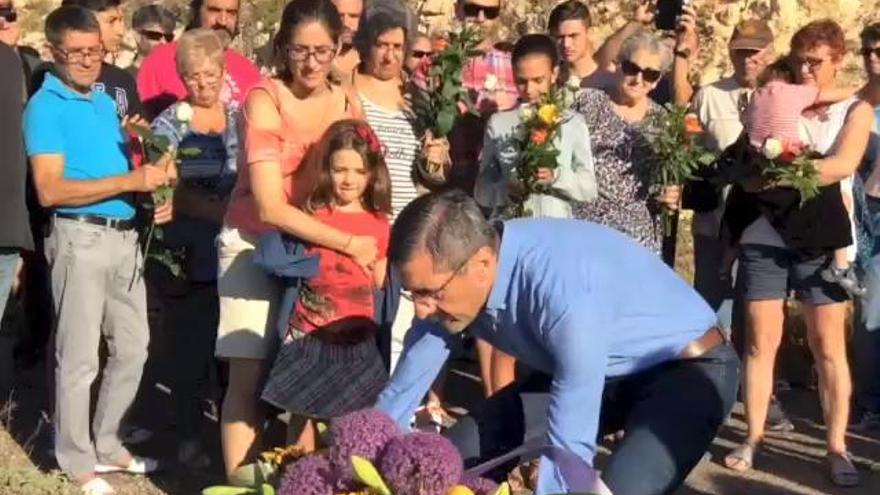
[{"x": 717, "y": 18}]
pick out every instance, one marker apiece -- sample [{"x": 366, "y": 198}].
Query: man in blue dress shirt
[{"x": 616, "y": 338}]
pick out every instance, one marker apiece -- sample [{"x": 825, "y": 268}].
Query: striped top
[
  {"x": 775, "y": 111},
  {"x": 395, "y": 132}
]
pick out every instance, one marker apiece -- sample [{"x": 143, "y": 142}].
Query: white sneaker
[
  {"x": 97, "y": 486},
  {"x": 138, "y": 465}
]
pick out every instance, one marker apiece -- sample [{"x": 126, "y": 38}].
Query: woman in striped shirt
[{"x": 383, "y": 41}]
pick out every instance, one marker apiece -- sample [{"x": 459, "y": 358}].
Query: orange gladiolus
[
  {"x": 539, "y": 136},
  {"x": 692, "y": 124}
]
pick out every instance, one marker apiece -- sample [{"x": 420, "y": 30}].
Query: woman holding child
[
  {"x": 283, "y": 116},
  {"x": 769, "y": 258}
]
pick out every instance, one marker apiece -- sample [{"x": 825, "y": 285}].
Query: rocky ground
[{"x": 789, "y": 464}]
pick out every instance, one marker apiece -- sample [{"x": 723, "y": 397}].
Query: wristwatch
[{"x": 684, "y": 53}]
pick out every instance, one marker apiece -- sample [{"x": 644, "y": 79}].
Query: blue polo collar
[
  {"x": 55, "y": 85},
  {"x": 504, "y": 273}
]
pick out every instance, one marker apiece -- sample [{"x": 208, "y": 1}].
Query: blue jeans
[
  {"x": 670, "y": 414},
  {"x": 8, "y": 263}
]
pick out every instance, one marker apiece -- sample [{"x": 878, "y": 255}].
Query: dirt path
[{"x": 789, "y": 464}]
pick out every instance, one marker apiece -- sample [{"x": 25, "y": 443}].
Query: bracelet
[{"x": 347, "y": 243}]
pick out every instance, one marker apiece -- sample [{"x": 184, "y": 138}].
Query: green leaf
[
  {"x": 445, "y": 122},
  {"x": 503, "y": 489},
  {"x": 267, "y": 489},
  {"x": 368, "y": 475},
  {"x": 189, "y": 152}
]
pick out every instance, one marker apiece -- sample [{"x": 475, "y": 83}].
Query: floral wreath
[{"x": 370, "y": 138}]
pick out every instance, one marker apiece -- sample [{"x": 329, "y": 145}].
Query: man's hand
[
  {"x": 686, "y": 40},
  {"x": 147, "y": 179},
  {"x": 163, "y": 213},
  {"x": 645, "y": 13},
  {"x": 544, "y": 175},
  {"x": 670, "y": 197}
]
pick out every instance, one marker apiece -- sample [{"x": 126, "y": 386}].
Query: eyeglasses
[
  {"x": 80, "y": 56},
  {"x": 813, "y": 63},
  {"x": 631, "y": 69},
  {"x": 436, "y": 295},
  {"x": 9, "y": 14},
  {"x": 473, "y": 10},
  {"x": 867, "y": 52},
  {"x": 301, "y": 53},
  {"x": 202, "y": 77},
  {"x": 420, "y": 54},
  {"x": 157, "y": 35}
]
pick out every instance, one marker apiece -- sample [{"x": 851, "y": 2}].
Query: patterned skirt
[{"x": 319, "y": 379}]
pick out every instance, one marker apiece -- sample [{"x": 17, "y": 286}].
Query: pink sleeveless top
[{"x": 287, "y": 145}]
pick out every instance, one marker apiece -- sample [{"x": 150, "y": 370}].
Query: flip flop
[
  {"x": 137, "y": 465},
  {"x": 97, "y": 486},
  {"x": 842, "y": 470},
  {"x": 741, "y": 458}
]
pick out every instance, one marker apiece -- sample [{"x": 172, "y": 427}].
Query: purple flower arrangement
[{"x": 390, "y": 462}]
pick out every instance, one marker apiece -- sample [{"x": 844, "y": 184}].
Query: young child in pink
[{"x": 774, "y": 111}]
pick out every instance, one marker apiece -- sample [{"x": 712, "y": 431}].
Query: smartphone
[{"x": 667, "y": 13}]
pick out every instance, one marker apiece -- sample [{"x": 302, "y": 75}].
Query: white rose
[
  {"x": 772, "y": 148},
  {"x": 526, "y": 112},
  {"x": 490, "y": 83},
  {"x": 184, "y": 113}
]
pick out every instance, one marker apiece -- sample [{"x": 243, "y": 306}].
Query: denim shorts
[{"x": 769, "y": 272}]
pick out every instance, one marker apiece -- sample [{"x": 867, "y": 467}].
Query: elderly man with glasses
[{"x": 554, "y": 294}]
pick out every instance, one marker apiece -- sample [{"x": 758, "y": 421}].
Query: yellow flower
[
  {"x": 548, "y": 113},
  {"x": 460, "y": 490}
]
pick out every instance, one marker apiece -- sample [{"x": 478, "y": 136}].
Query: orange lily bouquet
[
  {"x": 678, "y": 153},
  {"x": 540, "y": 125},
  {"x": 791, "y": 164}
]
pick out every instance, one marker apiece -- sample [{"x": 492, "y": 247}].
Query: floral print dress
[{"x": 623, "y": 160}]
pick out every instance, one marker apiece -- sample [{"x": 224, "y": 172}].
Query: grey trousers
[{"x": 97, "y": 291}]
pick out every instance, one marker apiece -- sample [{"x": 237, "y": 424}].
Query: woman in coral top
[{"x": 283, "y": 116}]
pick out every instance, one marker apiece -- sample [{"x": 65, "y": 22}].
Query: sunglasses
[
  {"x": 9, "y": 14},
  {"x": 157, "y": 35},
  {"x": 866, "y": 52},
  {"x": 421, "y": 54},
  {"x": 473, "y": 10},
  {"x": 631, "y": 69}
]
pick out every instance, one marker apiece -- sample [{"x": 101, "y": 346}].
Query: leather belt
[
  {"x": 112, "y": 223},
  {"x": 713, "y": 338}
]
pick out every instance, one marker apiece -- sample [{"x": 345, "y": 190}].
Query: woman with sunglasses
[
  {"x": 622, "y": 155},
  {"x": 153, "y": 26},
  {"x": 283, "y": 117}
]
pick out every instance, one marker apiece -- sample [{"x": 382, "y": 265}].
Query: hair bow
[{"x": 369, "y": 137}]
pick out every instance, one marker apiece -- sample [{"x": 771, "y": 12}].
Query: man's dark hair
[
  {"x": 448, "y": 225},
  {"x": 69, "y": 18},
  {"x": 93, "y": 5},
  {"x": 535, "y": 44},
  {"x": 154, "y": 14},
  {"x": 870, "y": 36},
  {"x": 570, "y": 10}
]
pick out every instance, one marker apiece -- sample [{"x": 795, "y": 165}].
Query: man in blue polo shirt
[
  {"x": 77, "y": 151},
  {"x": 618, "y": 341}
]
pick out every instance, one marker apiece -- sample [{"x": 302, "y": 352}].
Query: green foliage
[
  {"x": 436, "y": 106},
  {"x": 800, "y": 174},
  {"x": 678, "y": 154},
  {"x": 539, "y": 127},
  {"x": 30, "y": 481}
]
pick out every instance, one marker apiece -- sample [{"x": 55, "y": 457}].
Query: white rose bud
[
  {"x": 184, "y": 113},
  {"x": 772, "y": 148},
  {"x": 490, "y": 83},
  {"x": 526, "y": 112}
]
